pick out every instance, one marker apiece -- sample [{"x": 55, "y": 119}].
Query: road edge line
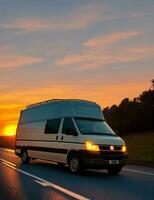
[
  {"x": 140, "y": 172},
  {"x": 57, "y": 187}
]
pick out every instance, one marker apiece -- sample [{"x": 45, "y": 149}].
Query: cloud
[
  {"x": 9, "y": 61},
  {"x": 98, "y": 52},
  {"x": 80, "y": 18},
  {"x": 97, "y": 60},
  {"x": 110, "y": 39},
  {"x": 35, "y": 24},
  {"x": 95, "y": 53},
  {"x": 76, "y": 59},
  {"x": 146, "y": 50}
]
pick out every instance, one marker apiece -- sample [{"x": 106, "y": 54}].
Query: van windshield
[{"x": 93, "y": 127}]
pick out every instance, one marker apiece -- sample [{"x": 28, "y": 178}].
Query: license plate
[{"x": 114, "y": 162}]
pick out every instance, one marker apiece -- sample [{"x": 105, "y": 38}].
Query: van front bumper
[{"x": 103, "y": 159}]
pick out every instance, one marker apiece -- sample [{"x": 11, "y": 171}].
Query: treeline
[{"x": 135, "y": 115}]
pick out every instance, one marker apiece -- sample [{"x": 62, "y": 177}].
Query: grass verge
[{"x": 140, "y": 148}]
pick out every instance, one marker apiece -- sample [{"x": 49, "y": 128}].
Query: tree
[
  {"x": 152, "y": 84},
  {"x": 135, "y": 115}
]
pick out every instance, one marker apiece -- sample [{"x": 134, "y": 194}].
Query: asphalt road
[{"x": 42, "y": 180}]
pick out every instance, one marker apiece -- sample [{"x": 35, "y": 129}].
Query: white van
[{"x": 72, "y": 132}]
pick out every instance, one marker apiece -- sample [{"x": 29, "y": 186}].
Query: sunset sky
[{"x": 100, "y": 50}]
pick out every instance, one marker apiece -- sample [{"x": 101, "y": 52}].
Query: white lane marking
[
  {"x": 48, "y": 184},
  {"x": 45, "y": 182},
  {"x": 5, "y": 161},
  {"x": 11, "y": 166},
  {"x": 140, "y": 172},
  {"x": 41, "y": 183}
]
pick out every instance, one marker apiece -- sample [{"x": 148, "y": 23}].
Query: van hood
[{"x": 106, "y": 140}]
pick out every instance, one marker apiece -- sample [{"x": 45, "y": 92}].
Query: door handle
[
  {"x": 57, "y": 137},
  {"x": 62, "y": 137}
]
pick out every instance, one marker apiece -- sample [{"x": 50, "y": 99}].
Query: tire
[
  {"x": 75, "y": 165},
  {"x": 25, "y": 159},
  {"x": 114, "y": 170}
]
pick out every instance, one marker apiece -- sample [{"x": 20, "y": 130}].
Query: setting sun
[{"x": 10, "y": 130}]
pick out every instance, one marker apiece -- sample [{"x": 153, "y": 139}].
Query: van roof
[
  {"x": 56, "y": 100},
  {"x": 58, "y": 108}
]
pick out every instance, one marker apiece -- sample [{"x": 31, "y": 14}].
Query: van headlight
[
  {"x": 124, "y": 149},
  {"x": 91, "y": 147}
]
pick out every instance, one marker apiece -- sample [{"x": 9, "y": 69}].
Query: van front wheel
[
  {"x": 25, "y": 159},
  {"x": 75, "y": 164},
  {"x": 113, "y": 170}
]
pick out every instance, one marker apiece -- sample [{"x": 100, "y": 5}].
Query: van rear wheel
[{"x": 25, "y": 159}]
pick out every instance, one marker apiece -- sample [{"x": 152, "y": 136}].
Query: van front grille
[
  {"x": 107, "y": 147},
  {"x": 108, "y": 154}
]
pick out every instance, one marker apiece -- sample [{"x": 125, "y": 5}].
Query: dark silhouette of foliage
[{"x": 135, "y": 115}]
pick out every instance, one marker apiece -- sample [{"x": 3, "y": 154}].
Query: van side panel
[{"x": 38, "y": 144}]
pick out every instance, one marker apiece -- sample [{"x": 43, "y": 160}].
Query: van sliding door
[{"x": 49, "y": 148}]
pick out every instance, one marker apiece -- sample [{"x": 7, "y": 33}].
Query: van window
[
  {"x": 68, "y": 127},
  {"x": 52, "y": 126}
]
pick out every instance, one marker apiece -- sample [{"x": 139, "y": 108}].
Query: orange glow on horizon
[
  {"x": 104, "y": 95},
  {"x": 9, "y": 130}
]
